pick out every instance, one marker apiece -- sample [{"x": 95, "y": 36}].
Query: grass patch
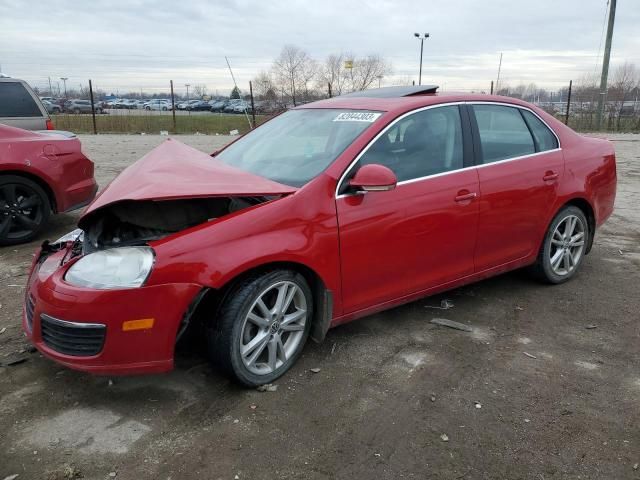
[{"x": 208, "y": 124}]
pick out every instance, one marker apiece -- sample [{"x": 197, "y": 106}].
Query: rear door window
[
  {"x": 503, "y": 133},
  {"x": 16, "y": 101}
]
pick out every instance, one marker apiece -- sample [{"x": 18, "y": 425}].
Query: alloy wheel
[
  {"x": 21, "y": 211},
  {"x": 567, "y": 245},
  {"x": 273, "y": 328}
]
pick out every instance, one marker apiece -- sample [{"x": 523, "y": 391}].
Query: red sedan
[
  {"x": 40, "y": 173},
  {"x": 327, "y": 213}
]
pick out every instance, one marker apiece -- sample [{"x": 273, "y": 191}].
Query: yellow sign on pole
[{"x": 348, "y": 64}]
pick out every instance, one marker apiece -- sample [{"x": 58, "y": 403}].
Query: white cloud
[{"x": 142, "y": 44}]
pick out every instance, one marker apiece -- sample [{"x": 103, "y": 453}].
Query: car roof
[{"x": 399, "y": 99}]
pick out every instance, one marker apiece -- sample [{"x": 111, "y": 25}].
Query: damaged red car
[{"x": 324, "y": 214}]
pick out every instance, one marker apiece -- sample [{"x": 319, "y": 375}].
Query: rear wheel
[
  {"x": 24, "y": 209},
  {"x": 564, "y": 246},
  {"x": 262, "y": 327}
]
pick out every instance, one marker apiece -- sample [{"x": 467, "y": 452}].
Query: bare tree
[
  {"x": 332, "y": 72},
  {"x": 199, "y": 91},
  {"x": 291, "y": 71},
  {"x": 626, "y": 80},
  {"x": 367, "y": 70}
]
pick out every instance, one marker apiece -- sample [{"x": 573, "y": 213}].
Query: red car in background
[
  {"x": 327, "y": 213},
  {"x": 40, "y": 173}
]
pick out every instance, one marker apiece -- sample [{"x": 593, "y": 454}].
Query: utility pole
[
  {"x": 605, "y": 64},
  {"x": 498, "y": 79},
  {"x": 50, "y": 89}
]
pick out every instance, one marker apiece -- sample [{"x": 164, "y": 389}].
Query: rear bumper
[
  {"x": 123, "y": 352},
  {"x": 80, "y": 195}
]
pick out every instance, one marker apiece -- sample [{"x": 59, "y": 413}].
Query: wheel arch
[
  {"x": 206, "y": 304},
  {"x": 42, "y": 183},
  {"x": 586, "y": 208}
]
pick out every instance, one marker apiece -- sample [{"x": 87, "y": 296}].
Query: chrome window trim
[
  {"x": 419, "y": 179},
  {"x": 65, "y": 323}
]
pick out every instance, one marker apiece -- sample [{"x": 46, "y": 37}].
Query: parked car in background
[
  {"x": 231, "y": 106},
  {"x": 81, "y": 106},
  {"x": 198, "y": 106},
  {"x": 185, "y": 105},
  {"x": 51, "y": 107},
  {"x": 20, "y": 106},
  {"x": 242, "y": 107},
  {"x": 157, "y": 105},
  {"x": 218, "y": 105},
  {"x": 40, "y": 174},
  {"x": 128, "y": 104},
  {"x": 326, "y": 213}
]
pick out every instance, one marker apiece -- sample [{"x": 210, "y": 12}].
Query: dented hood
[{"x": 174, "y": 170}]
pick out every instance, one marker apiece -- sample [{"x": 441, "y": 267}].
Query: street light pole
[
  {"x": 64, "y": 80},
  {"x": 421, "y": 37},
  {"x": 187, "y": 85}
]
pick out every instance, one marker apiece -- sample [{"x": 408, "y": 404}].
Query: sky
[{"x": 139, "y": 45}]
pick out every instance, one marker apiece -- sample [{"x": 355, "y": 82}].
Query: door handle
[
  {"x": 463, "y": 197},
  {"x": 550, "y": 175}
]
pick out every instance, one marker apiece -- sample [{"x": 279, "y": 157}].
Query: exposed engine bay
[{"x": 135, "y": 222}]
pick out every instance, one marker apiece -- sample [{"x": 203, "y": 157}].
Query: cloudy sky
[{"x": 138, "y": 44}]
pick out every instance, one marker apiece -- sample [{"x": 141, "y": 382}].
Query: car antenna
[{"x": 236, "y": 85}]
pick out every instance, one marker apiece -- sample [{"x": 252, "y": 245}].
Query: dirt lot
[{"x": 390, "y": 386}]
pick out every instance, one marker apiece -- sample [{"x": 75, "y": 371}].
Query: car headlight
[
  {"x": 72, "y": 236},
  {"x": 123, "y": 267}
]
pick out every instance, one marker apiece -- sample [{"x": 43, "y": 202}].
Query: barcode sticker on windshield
[{"x": 357, "y": 117}]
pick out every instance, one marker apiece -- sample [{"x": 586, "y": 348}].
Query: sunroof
[{"x": 394, "y": 92}]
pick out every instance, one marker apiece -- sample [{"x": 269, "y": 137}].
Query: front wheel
[
  {"x": 262, "y": 327},
  {"x": 564, "y": 246}
]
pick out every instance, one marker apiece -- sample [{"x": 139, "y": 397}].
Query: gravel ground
[{"x": 546, "y": 386}]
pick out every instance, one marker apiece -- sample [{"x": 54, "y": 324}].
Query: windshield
[{"x": 296, "y": 146}]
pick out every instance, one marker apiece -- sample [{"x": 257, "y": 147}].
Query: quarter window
[
  {"x": 544, "y": 138},
  {"x": 16, "y": 101},
  {"x": 503, "y": 133},
  {"x": 422, "y": 144}
]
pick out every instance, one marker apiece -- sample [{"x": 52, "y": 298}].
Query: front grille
[
  {"x": 71, "y": 338},
  {"x": 29, "y": 307}
]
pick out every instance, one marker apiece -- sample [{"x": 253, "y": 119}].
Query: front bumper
[{"x": 123, "y": 352}]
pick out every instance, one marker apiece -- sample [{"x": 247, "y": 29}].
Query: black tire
[
  {"x": 24, "y": 210},
  {"x": 542, "y": 269},
  {"x": 224, "y": 337}
]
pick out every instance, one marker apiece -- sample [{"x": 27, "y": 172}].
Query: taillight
[{"x": 50, "y": 125}]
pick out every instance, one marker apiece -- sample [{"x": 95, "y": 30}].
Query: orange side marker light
[{"x": 142, "y": 324}]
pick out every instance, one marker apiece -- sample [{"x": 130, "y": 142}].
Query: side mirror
[{"x": 374, "y": 178}]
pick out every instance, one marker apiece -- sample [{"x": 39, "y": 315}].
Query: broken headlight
[
  {"x": 72, "y": 236},
  {"x": 124, "y": 267}
]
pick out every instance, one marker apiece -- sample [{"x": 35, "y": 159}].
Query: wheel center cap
[{"x": 275, "y": 326}]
